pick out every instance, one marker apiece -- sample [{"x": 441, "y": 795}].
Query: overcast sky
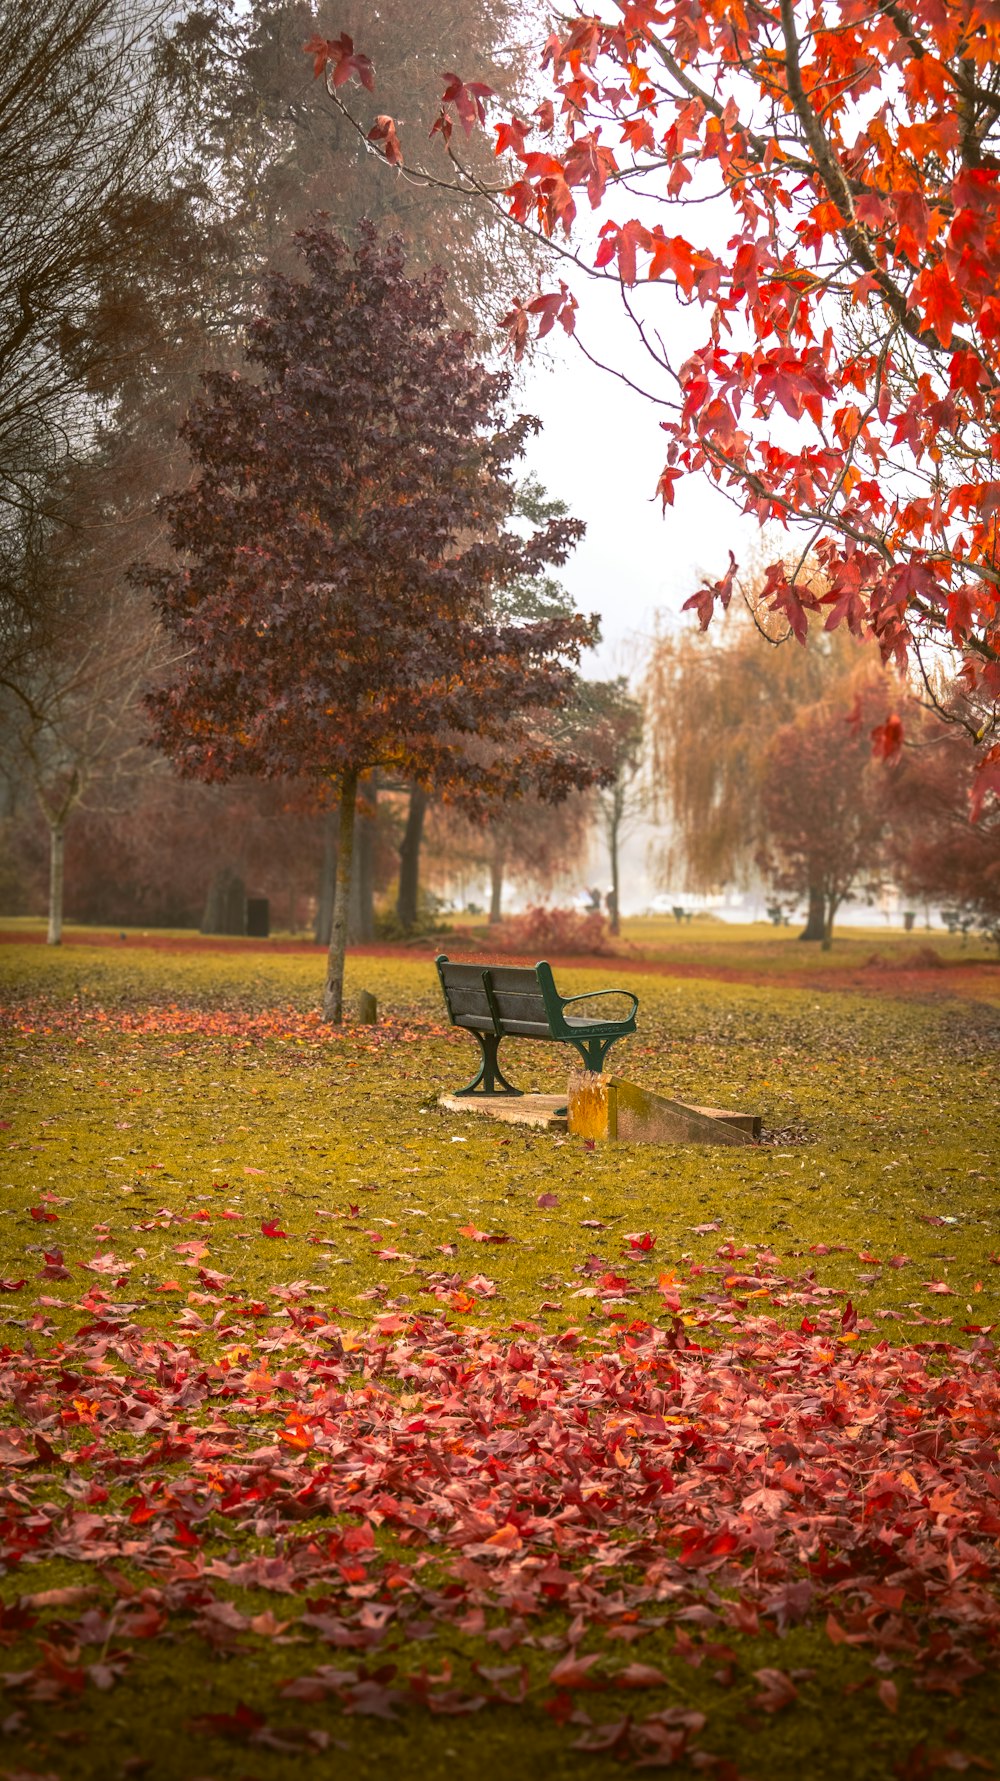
[{"x": 601, "y": 449}]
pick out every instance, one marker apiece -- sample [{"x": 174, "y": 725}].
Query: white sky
[{"x": 601, "y": 450}]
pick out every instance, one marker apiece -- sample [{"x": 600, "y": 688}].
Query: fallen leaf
[{"x": 777, "y": 1690}]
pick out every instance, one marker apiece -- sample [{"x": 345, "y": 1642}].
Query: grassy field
[
  {"x": 706, "y": 939},
  {"x": 223, "y": 1180}
]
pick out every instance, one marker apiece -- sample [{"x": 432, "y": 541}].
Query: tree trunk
[
  {"x": 333, "y": 993},
  {"x": 57, "y": 852},
  {"x": 497, "y": 863},
  {"x": 409, "y": 860},
  {"x": 328, "y": 871},
  {"x": 831, "y": 911},
  {"x": 361, "y": 927},
  {"x": 815, "y": 927},
  {"x": 226, "y": 904},
  {"x": 614, "y": 911}
]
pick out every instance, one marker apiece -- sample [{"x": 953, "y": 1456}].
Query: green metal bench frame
[{"x": 543, "y": 1016}]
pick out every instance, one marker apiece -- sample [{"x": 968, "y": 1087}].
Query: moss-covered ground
[{"x": 163, "y": 1109}]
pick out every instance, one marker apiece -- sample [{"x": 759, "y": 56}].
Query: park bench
[
  {"x": 497, "y": 1002},
  {"x": 680, "y": 914}
]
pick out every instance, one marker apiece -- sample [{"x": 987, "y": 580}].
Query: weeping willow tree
[{"x": 714, "y": 702}]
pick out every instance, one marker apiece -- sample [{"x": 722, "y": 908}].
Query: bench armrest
[{"x": 595, "y": 995}]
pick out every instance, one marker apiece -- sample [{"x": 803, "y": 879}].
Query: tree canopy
[
  {"x": 825, "y": 800},
  {"x": 714, "y": 704},
  {"x": 934, "y": 852},
  {"x": 846, "y": 385},
  {"x": 339, "y": 551},
  {"x": 261, "y": 145}
]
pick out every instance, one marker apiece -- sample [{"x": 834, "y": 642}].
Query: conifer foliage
[{"x": 339, "y": 551}]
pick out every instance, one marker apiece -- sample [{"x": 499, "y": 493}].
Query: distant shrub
[
  {"x": 552, "y": 930},
  {"x": 922, "y": 958},
  {"x": 429, "y": 921}
]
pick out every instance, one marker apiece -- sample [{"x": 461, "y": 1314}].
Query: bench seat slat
[{"x": 527, "y": 1029}]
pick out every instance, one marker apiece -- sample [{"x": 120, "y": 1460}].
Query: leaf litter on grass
[
  {"x": 649, "y": 1481},
  {"x": 418, "y": 1477}
]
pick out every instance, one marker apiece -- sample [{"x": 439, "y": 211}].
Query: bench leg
[
  {"x": 491, "y": 1079},
  {"x": 593, "y": 1052}
]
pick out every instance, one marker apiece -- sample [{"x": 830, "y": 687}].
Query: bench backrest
[
  {"x": 465, "y": 996},
  {"x": 517, "y": 1001},
  {"x": 501, "y": 999}
]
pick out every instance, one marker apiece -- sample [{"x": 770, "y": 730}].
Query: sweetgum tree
[
  {"x": 819, "y": 181},
  {"x": 338, "y": 556}
]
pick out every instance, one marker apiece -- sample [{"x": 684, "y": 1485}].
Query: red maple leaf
[
  {"x": 511, "y": 138},
  {"x": 338, "y": 55},
  {"x": 468, "y": 99},
  {"x": 887, "y": 738},
  {"x": 939, "y": 300},
  {"x": 383, "y": 132}
]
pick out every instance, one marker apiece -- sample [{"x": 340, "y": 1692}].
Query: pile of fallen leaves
[
  {"x": 389, "y": 1485},
  {"x": 37, "y": 1017}
]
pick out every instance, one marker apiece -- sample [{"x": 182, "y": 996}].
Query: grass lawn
[{"x": 338, "y": 1432}]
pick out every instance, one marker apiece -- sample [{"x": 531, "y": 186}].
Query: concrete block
[
  {"x": 546, "y": 1113},
  {"x": 609, "y": 1107}
]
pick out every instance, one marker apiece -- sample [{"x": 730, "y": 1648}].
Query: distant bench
[{"x": 498, "y": 1002}]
